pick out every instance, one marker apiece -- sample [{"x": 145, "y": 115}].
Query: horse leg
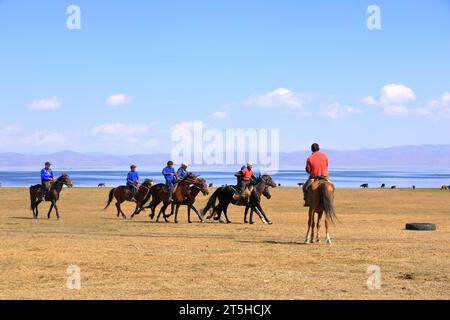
[
  {"x": 171, "y": 211},
  {"x": 175, "y": 220},
  {"x": 225, "y": 209},
  {"x": 119, "y": 211},
  {"x": 37, "y": 206},
  {"x": 260, "y": 209},
  {"x": 310, "y": 219},
  {"x": 56, "y": 209},
  {"x": 196, "y": 211},
  {"x": 50, "y": 210},
  {"x": 245, "y": 214},
  {"x": 136, "y": 211},
  {"x": 319, "y": 218},
  {"x": 153, "y": 206},
  {"x": 326, "y": 230}
]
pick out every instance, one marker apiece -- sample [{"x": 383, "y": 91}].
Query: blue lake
[{"x": 342, "y": 177}]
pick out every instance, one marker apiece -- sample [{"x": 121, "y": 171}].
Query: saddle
[
  {"x": 248, "y": 192},
  {"x": 166, "y": 189}
]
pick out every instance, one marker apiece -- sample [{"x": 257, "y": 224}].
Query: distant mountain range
[{"x": 424, "y": 155}]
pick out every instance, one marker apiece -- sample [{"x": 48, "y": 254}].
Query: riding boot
[{"x": 170, "y": 195}]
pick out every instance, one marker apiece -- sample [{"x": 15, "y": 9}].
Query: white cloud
[
  {"x": 219, "y": 115},
  {"x": 11, "y": 129},
  {"x": 336, "y": 110},
  {"x": 279, "y": 98},
  {"x": 44, "y": 104},
  {"x": 119, "y": 129},
  {"x": 436, "y": 107},
  {"x": 118, "y": 99},
  {"x": 393, "y": 99},
  {"x": 43, "y": 138},
  {"x": 185, "y": 126}
]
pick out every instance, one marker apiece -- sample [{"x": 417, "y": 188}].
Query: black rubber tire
[{"x": 421, "y": 226}]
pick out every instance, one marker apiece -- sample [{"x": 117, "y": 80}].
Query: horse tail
[
  {"x": 211, "y": 202},
  {"x": 327, "y": 202},
  {"x": 31, "y": 198},
  {"x": 110, "y": 198}
]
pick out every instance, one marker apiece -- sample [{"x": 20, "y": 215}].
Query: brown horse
[
  {"x": 122, "y": 194},
  {"x": 320, "y": 198},
  {"x": 37, "y": 195},
  {"x": 194, "y": 190},
  {"x": 159, "y": 193}
]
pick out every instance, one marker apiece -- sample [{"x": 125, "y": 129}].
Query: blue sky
[{"x": 138, "y": 69}]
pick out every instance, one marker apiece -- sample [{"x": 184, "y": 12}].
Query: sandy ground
[{"x": 142, "y": 260}]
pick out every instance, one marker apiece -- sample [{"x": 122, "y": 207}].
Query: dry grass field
[{"x": 138, "y": 259}]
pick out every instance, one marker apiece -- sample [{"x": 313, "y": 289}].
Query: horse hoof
[
  {"x": 318, "y": 240},
  {"x": 329, "y": 242},
  {"x": 245, "y": 221},
  {"x": 270, "y": 223},
  {"x": 251, "y": 222}
]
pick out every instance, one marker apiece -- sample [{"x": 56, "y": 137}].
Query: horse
[
  {"x": 101, "y": 185},
  {"x": 159, "y": 193},
  {"x": 189, "y": 201},
  {"x": 383, "y": 186},
  {"x": 364, "y": 186},
  {"x": 37, "y": 195},
  {"x": 320, "y": 198},
  {"x": 122, "y": 194},
  {"x": 266, "y": 193},
  {"x": 445, "y": 187},
  {"x": 226, "y": 195},
  {"x": 394, "y": 187}
]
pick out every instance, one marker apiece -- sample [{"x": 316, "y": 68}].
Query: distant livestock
[
  {"x": 383, "y": 186},
  {"x": 365, "y": 185},
  {"x": 102, "y": 185},
  {"x": 445, "y": 187},
  {"x": 394, "y": 187},
  {"x": 300, "y": 184}
]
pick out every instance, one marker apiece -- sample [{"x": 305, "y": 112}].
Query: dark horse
[
  {"x": 225, "y": 196},
  {"x": 266, "y": 193},
  {"x": 320, "y": 199},
  {"x": 122, "y": 194},
  {"x": 159, "y": 193},
  {"x": 37, "y": 195}
]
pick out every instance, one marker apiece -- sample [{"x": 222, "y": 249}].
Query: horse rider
[
  {"x": 133, "y": 181},
  {"x": 182, "y": 171},
  {"x": 47, "y": 178},
  {"x": 245, "y": 176},
  {"x": 316, "y": 167},
  {"x": 171, "y": 176}
]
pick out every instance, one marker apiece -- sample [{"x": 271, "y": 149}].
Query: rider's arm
[{"x": 308, "y": 166}]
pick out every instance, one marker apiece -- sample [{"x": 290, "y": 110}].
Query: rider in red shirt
[
  {"x": 316, "y": 167},
  {"x": 244, "y": 178}
]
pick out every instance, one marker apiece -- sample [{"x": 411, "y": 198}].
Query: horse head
[
  {"x": 268, "y": 180},
  {"x": 266, "y": 192},
  {"x": 148, "y": 183},
  {"x": 201, "y": 184},
  {"x": 65, "y": 179}
]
